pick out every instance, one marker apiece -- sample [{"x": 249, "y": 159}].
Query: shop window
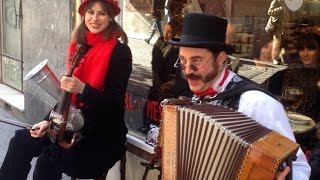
[{"x": 258, "y": 53}]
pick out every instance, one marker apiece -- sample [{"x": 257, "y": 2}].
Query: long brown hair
[{"x": 78, "y": 34}]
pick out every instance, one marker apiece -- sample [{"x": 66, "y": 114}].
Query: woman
[
  {"x": 304, "y": 74},
  {"x": 309, "y": 51},
  {"x": 98, "y": 88}
]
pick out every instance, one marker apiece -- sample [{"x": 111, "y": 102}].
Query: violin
[{"x": 59, "y": 117}]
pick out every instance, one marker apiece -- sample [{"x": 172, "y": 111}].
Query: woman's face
[
  {"x": 309, "y": 56},
  {"x": 167, "y": 33},
  {"x": 96, "y": 19}
]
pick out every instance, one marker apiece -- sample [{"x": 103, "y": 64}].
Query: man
[{"x": 202, "y": 57}]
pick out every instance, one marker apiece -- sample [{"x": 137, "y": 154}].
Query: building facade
[{"x": 33, "y": 30}]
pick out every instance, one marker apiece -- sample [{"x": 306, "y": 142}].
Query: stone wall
[{"x": 46, "y": 33}]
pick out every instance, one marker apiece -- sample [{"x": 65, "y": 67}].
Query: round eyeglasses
[{"x": 192, "y": 66}]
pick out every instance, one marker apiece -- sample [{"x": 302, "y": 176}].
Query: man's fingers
[{"x": 282, "y": 175}]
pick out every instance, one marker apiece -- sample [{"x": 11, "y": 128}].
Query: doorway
[{"x": 11, "y": 45}]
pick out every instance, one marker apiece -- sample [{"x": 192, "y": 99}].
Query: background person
[
  {"x": 202, "y": 57},
  {"x": 166, "y": 79},
  {"x": 98, "y": 87},
  {"x": 164, "y": 55},
  {"x": 278, "y": 14},
  {"x": 157, "y": 12},
  {"x": 309, "y": 51},
  {"x": 303, "y": 75}
]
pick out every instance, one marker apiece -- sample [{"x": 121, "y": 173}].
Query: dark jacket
[
  {"x": 164, "y": 56},
  {"x": 304, "y": 78},
  {"x": 104, "y": 111}
]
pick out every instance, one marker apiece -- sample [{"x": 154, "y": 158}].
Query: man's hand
[
  {"x": 282, "y": 175},
  {"x": 72, "y": 84},
  {"x": 39, "y": 129},
  {"x": 166, "y": 88}
]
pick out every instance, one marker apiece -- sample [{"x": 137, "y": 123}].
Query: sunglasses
[{"x": 194, "y": 66}]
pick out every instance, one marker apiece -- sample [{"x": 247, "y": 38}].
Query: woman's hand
[
  {"x": 39, "y": 129},
  {"x": 72, "y": 84}
]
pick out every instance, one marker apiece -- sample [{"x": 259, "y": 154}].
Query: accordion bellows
[{"x": 202, "y": 142}]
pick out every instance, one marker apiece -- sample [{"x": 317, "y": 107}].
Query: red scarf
[
  {"x": 93, "y": 68},
  {"x": 211, "y": 91}
]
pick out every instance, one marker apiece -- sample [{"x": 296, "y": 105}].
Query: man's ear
[{"x": 221, "y": 58}]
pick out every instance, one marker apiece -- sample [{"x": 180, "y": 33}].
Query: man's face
[{"x": 208, "y": 67}]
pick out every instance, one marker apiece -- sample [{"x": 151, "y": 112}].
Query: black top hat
[{"x": 203, "y": 31}]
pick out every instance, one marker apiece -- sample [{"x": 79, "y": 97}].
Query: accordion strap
[{"x": 239, "y": 89}]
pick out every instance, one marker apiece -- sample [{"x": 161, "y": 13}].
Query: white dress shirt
[{"x": 271, "y": 114}]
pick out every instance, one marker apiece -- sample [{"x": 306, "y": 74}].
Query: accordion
[{"x": 212, "y": 142}]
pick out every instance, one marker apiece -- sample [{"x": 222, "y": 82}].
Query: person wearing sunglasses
[{"x": 202, "y": 57}]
